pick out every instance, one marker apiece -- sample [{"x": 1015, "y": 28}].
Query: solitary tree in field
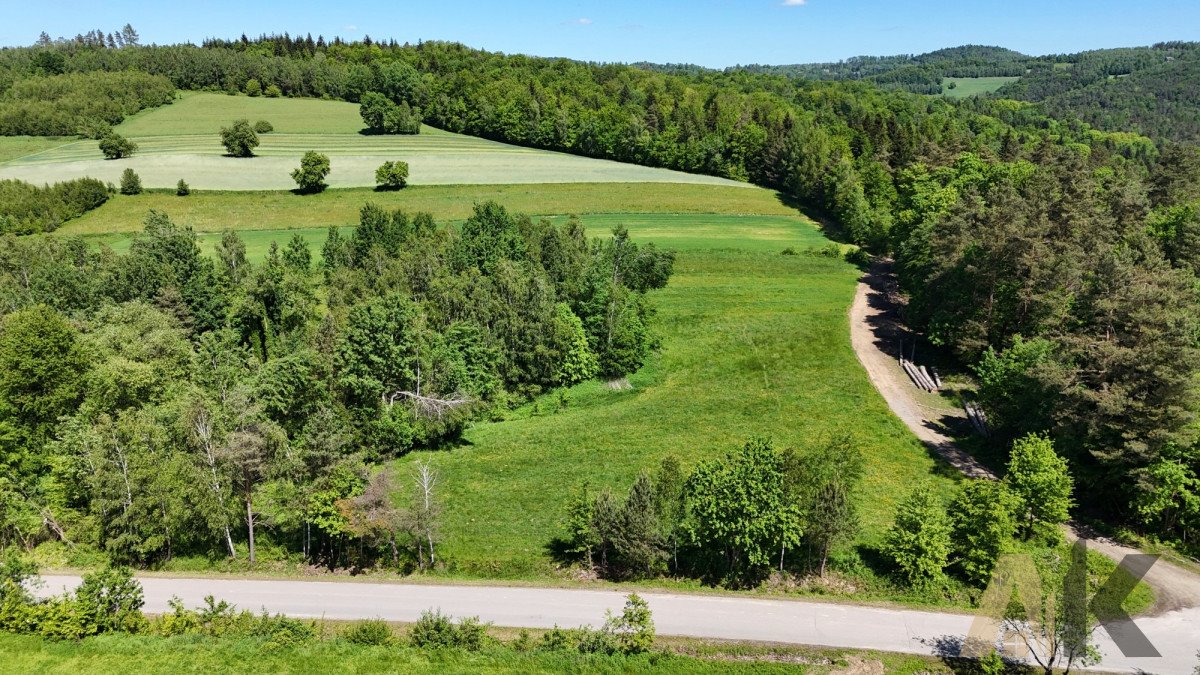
[
  {"x": 392, "y": 175},
  {"x": 310, "y": 177},
  {"x": 115, "y": 146},
  {"x": 182, "y": 189},
  {"x": 131, "y": 183},
  {"x": 1040, "y": 478},
  {"x": 239, "y": 139}
]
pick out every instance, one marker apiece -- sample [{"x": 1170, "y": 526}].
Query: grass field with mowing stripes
[{"x": 181, "y": 141}]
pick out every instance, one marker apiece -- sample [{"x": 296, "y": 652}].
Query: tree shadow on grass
[{"x": 832, "y": 229}]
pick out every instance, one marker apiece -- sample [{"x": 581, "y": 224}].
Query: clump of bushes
[
  {"x": 116, "y": 146},
  {"x": 26, "y": 208},
  {"x": 272, "y": 91},
  {"x": 391, "y": 175},
  {"x": 384, "y": 116},
  {"x": 221, "y": 619},
  {"x": 131, "y": 183},
  {"x": 263, "y": 127},
  {"x": 107, "y": 601},
  {"x": 630, "y": 632},
  {"x": 435, "y": 630},
  {"x": 253, "y": 87}
]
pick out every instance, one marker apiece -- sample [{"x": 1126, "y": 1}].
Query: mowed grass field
[
  {"x": 277, "y": 210},
  {"x": 969, "y": 86},
  {"x": 181, "y": 141}
]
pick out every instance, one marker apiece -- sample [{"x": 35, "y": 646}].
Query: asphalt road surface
[{"x": 1175, "y": 634}]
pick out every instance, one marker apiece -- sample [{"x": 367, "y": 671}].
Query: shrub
[
  {"x": 789, "y": 251},
  {"x": 131, "y": 183},
  {"x": 859, "y": 258},
  {"x": 435, "y": 630},
  {"x": 110, "y": 600},
  {"x": 182, "y": 189},
  {"x": 263, "y": 127},
  {"x": 392, "y": 175},
  {"x": 116, "y": 146},
  {"x": 310, "y": 177},
  {"x": 373, "y": 632},
  {"x": 272, "y": 91},
  {"x": 253, "y": 87},
  {"x": 239, "y": 139},
  {"x": 633, "y": 628}
]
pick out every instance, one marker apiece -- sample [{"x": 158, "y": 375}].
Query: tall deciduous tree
[
  {"x": 919, "y": 541},
  {"x": 1042, "y": 481},
  {"x": 983, "y": 521},
  {"x": 738, "y": 508},
  {"x": 239, "y": 139}
]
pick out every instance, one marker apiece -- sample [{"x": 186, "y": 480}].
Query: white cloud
[
  {"x": 793, "y": 3},
  {"x": 350, "y": 28},
  {"x": 583, "y": 21}
]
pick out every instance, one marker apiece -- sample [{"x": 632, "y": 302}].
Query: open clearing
[
  {"x": 969, "y": 86},
  {"x": 181, "y": 141}
]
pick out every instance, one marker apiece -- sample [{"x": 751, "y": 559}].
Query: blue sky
[{"x": 708, "y": 32}]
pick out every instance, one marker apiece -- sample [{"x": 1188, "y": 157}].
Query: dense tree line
[
  {"x": 162, "y": 401},
  {"x": 74, "y": 103},
  {"x": 737, "y": 518},
  {"x": 25, "y": 208},
  {"x": 1066, "y": 282}
]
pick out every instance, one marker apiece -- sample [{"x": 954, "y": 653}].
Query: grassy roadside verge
[{"x": 143, "y": 654}]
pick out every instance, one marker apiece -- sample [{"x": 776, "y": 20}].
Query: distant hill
[
  {"x": 1154, "y": 91},
  {"x": 920, "y": 74}
]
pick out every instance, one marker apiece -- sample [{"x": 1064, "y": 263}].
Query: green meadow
[{"x": 969, "y": 86}]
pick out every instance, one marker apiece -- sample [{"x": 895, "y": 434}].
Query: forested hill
[
  {"x": 1154, "y": 91},
  {"x": 919, "y": 74}
]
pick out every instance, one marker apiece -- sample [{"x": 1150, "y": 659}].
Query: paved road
[{"x": 1176, "y": 634}]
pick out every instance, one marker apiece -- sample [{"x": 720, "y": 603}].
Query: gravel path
[{"x": 875, "y": 330}]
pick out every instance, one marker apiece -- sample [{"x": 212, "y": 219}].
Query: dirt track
[{"x": 875, "y": 329}]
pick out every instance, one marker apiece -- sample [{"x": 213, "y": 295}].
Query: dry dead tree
[{"x": 430, "y": 407}]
